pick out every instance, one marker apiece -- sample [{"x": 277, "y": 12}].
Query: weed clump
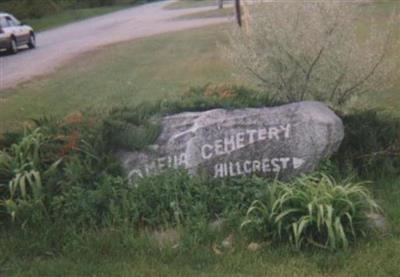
[
  {"x": 371, "y": 147},
  {"x": 313, "y": 210}
]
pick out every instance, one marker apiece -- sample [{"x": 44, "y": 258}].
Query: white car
[{"x": 14, "y": 34}]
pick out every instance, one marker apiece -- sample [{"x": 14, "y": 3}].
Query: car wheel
[
  {"x": 32, "y": 41},
  {"x": 13, "y": 46}
]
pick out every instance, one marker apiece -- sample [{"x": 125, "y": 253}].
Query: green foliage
[
  {"x": 23, "y": 168},
  {"x": 31, "y": 8},
  {"x": 312, "y": 210},
  {"x": 131, "y": 128},
  {"x": 62, "y": 172},
  {"x": 176, "y": 198},
  {"x": 135, "y": 128},
  {"x": 105, "y": 203},
  {"x": 7, "y": 139},
  {"x": 371, "y": 146},
  {"x": 28, "y": 9},
  {"x": 46, "y": 162},
  {"x": 171, "y": 199}
]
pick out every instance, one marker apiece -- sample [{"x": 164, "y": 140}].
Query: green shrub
[
  {"x": 311, "y": 210},
  {"x": 301, "y": 51},
  {"x": 371, "y": 146},
  {"x": 171, "y": 199},
  {"x": 134, "y": 128},
  {"x": 45, "y": 162},
  {"x": 176, "y": 198},
  {"x": 23, "y": 169},
  {"x": 71, "y": 175},
  {"x": 24, "y": 9},
  {"x": 104, "y": 203},
  {"x": 31, "y": 9}
]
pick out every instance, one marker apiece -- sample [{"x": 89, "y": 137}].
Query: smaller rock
[
  {"x": 378, "y": 222},
  {"x": 254, "y": 247},
  {"x": 228, "y": 242},
  {"x": 73, "y": 118},
  {"x": 216, "y": 250}
]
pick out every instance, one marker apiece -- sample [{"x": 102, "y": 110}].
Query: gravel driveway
[{"x": 56, "y": 46}]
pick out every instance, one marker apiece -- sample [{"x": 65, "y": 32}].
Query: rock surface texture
[{"x": 281, "y": 141}]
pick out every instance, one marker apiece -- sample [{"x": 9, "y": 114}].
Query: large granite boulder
[{"x": 282, "y": 141}]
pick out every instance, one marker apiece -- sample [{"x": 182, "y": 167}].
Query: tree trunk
[
  {"x": 220, "y": 4},
  {"x": 238, "y": 13}
]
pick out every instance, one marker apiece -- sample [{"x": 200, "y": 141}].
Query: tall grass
[
  {"x": 23, "y": 168},
  {"x": 312, "y": 210}
]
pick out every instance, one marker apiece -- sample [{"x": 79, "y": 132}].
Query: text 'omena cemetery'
[{"x": 284, "y": 141}]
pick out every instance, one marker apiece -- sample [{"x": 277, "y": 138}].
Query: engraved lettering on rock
[
  {"x": 226, "y": 146},
  {"x": 265, "y": 165},
  {"x": 157, "y": 165},
  {"x": 240, "y": 140}
]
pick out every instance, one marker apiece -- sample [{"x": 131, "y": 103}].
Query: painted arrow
[{"x": 297, "y": 163}]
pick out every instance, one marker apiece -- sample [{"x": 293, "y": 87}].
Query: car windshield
[
  {"x": 16, "y": 21},
  {"x": 3, "y": 22},
  {"x": 12, "y": 21}
]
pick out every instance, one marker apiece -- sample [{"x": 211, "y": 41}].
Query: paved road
[{"x": 57, "y": 46}]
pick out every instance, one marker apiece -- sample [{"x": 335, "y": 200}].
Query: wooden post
[
  {"x": 220, "y": 4},
  {"x": 238, "y": 13}
]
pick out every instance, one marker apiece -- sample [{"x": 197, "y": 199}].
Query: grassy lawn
[
  {"x": 69, "y": 16},
  {"x": 230, "y": 12},
  {"x": 373, "y": 259},
  {"x": 129, "y": 73},
  {"x": 152, "y": 69},
  {"x": 184, "y": 4}
]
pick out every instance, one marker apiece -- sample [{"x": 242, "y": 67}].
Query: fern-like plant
[
  {"x": 312, "y": 210},
  {"x": 22, "y": 170}
]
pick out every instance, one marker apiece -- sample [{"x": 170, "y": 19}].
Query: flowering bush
[{"x": 327, "y": 51}]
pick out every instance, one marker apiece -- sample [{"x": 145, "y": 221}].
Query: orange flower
[
  {"x": 73, "y": 118},
  {"x": 226, "y": 94},
  {"x": 72, "y": 143}
]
